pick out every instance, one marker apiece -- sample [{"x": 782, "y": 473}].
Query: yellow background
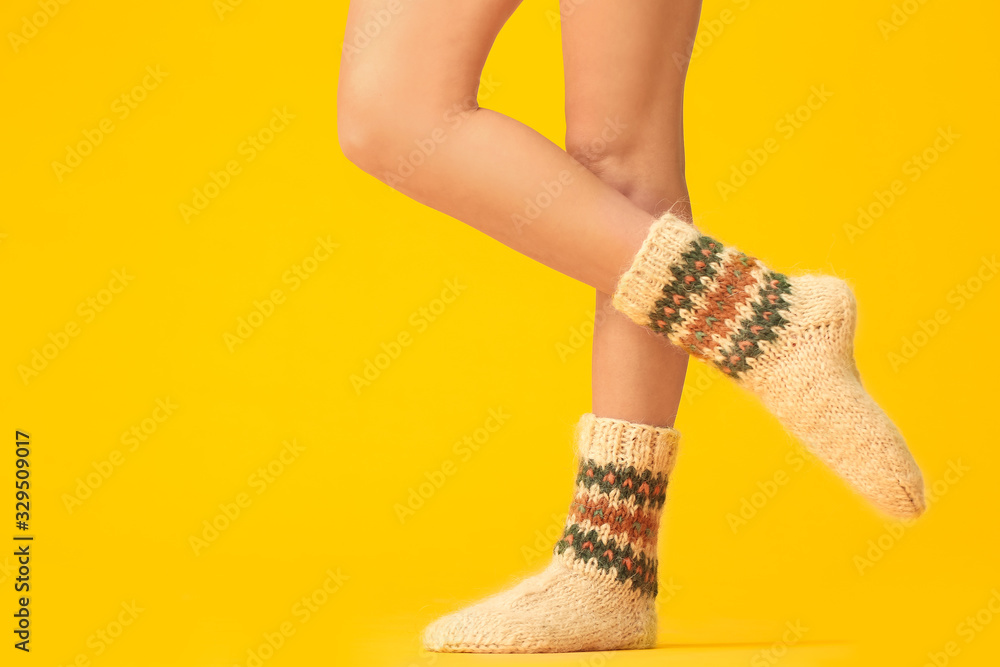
[{"x": 495, "y": 346}]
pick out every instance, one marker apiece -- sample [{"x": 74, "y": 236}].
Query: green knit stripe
[
  {"x": 699, "y": 261},
  {"x": 641, "y": 484},
  {"x": 629, "y": 565},
  {"x": 761, "y": 325}
]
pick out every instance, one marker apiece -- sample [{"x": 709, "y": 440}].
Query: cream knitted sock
[
  {"x": 598, "y": 592},
  {"x": 790, "y": 341}
]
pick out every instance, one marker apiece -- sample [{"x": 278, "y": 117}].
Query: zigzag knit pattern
[
  {"x": 598, "y": 592},
  {"x": 721, "y": 304},
  {"x": 789, "y": 340},
  {"x": 613, "y": 520},
  {"x": 717, "y": 303}
]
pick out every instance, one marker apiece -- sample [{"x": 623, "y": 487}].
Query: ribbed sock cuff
[
  {"x": 622, "y": 443},
  {"x": 642, "y": 285}
]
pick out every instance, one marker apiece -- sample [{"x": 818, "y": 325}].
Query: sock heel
[{"x": 822, "y": 300}]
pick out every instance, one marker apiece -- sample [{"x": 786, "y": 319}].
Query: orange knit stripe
[
  {"x": 727, "y": 311},
  {"x": 639, "y": 526}
]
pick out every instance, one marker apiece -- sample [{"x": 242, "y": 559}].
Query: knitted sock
[
  {"x": 599, "y": 590},
  {"x": 790, "y": 341}
]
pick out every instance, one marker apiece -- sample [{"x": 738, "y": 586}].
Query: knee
[
  {"x": 608, "y": 157},
  {"x": 645, "y": 164},
  {"x": 600, "y": 145},
  {"x": 364, "y": 130},
  {"x": 380, "y": 129}
]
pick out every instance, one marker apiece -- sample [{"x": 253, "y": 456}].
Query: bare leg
[
  {"x": 397, "y": 95},
  {"x": 624, "y": 103},
  {"x": 789, "y": 341},
  {"x": 409, "y": 85}
]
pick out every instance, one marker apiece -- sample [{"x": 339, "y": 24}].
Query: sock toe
[{"x": 907, "y": 500}]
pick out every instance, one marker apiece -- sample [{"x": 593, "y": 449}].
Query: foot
[
  {"x": 561, "y": 609},
  {"x": 599, "y": 591},
  {"x": 790, "y": 341}
]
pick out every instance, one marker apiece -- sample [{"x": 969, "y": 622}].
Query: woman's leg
[
  {"x": 407, "y": 115},
  {"x": 406, "y": 92},
  {"x": 624, "y": 93},
  {"x": 624, "y": 104}
]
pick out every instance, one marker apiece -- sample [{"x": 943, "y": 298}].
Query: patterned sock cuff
[
  {"x": 621, "y": 486},
  {"x": 713, "y": 301},
  {"x": 642, "y": 285}
]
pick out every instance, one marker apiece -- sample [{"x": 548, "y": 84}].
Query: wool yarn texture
[
  {"x": 598, "y": 592},
  {"x": 788, "y": 340}
]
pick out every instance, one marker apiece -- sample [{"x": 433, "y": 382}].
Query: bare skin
[
  {"x": 619, "y": 60},
  {"x": 407, "y": 115}
]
